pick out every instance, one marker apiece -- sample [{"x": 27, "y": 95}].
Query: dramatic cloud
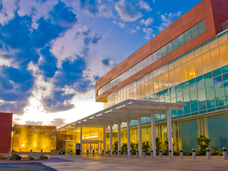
[
  {"x": 128, "y": 10},
  {"x": 58, "y": 101},
  {"x": 58, "y": 122},
  {"x": 167, "y": 19},
  {"x": 89, "y": 5}
]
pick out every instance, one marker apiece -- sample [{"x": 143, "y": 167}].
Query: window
[
  {"x": 215, "y": 59},
  {"x": 194, "y": 31},
  {"x": 187, "y": 36},
  {"x": 202, "y": 27},
  {"x": 223, "y": 49},
  {"x": 175, "y": 44}
]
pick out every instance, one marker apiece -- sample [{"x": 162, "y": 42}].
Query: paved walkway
[{"x": 96, "y": 163}]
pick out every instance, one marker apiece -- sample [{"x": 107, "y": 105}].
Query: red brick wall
[
  {"x": 214, "y": 12},
  {"x": 5, "y": 131}
]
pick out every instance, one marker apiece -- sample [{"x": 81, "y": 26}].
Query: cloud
[
  {"x": 128, "y": 10},
  {"x": 96, "y": 77},
  {"x": 58, "y": 101},
  {"x": 16, "y": 107},
  {"x": 105, "y": 10},
  {"x": 149, "y": 21},
  {"x": 148, "y": 32},
  {"x": 144, "y": 5},
  {"x": 48, "y": 62},
  {"x": 120, "y": 24},
  {"x": 137, "y": 27},
  {"x": 108, "y": 63},
  {"x": 168, "y": 19},
  {"x": 33, "y": 122},
  {"x": 89, "y": 5},
  {"x": 58, "y": 122}
]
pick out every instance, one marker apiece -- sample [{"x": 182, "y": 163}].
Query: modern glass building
[{"x": 187, "y": 63}]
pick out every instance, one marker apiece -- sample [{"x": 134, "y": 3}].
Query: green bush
[
  {"x": 203, "y": 143},
  {"x": 158, "y": 145},
  {"x": 146, "y": 147}
]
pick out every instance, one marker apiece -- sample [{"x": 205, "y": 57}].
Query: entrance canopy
[{"x": 131, "y": 109}]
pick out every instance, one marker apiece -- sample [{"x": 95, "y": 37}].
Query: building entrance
[{"x": 90, "y": 146}]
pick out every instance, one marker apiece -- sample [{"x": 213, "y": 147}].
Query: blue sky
[{"x": 53, "y": 51}]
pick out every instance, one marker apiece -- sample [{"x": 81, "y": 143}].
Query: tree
[
  {"x": 134, "y": 147},
  {"x": 116, "y": 146},
  {"x": 167, "y": 146},
  {"x": 124, "y": 147},
  {"x": 203, "y": 143},
  {"x": 146, "y": 146},
  {"x": 158, "y": 144}
]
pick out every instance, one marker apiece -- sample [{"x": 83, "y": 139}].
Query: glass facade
[
  {"x": 197, "y": 79},
  {"x": 171, "y": 46}
]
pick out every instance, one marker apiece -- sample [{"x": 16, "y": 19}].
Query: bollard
[
  {"x": 71, "y": 152},
  {"x": 170, "y": 154},
  {"x": 41, "y": 151},
  {"x": 20, "y": 152},
  {"x": 51, "y": 152},
  {"x": 87, "y": 152},
  {"x": 208, "y": 153},
  {"x": 160, "y": 153},
  {"x": 224, "y": 153},
  {"x": 124, "y": 153},
  {"x": 137, "y": 154},
  {"x": 193, "y": 153},
  {"x": 130, "y": 153},
  {"x": 102, "y": 152},
  {"x": 30, "y": 152},
  {"x": 151, "y": 154},
  {"x": 144, "y": 153},
  {"x": 93, "y": 153},
  {"x": 119, "y": 153},
  {"x": 80, "y": 152},
  {"x": 61, "y": 152},
  {"x": 109, "y": 153},
  {"x": 9, "y": 152},
  {"x": 114, "y": 153},
  {"x": 181, "y": 153}
]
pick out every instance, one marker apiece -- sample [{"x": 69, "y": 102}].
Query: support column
[
  {"x": 153, "y": 134},
  {"x": 104, "y": 136},
  {"x": 140, "y": 135},
  {"x": 111, "y": 139},
  {"x": 128, "y": 137},
  {"x": 119, "y": 139},
  {"x": 169, "y": 129},
  {"x": 81, "y": 138}
]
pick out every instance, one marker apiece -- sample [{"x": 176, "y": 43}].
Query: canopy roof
[{"x": 120, "y": 112}]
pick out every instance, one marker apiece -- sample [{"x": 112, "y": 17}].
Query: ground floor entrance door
[{"x": 90, "y": 147}]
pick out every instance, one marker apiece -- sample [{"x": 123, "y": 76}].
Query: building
[
  {"x": 178, "y": 86},
  {"x": 5, "y": 131}
]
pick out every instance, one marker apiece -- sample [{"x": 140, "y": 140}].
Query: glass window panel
[
  {"x": 197, "y": 52},
  {"x": 217, "y": 72},
  {"x": 184, "y": 72},
  {"x": 171, "y": 65},
  {"x": 208, "y": 82},
  {"x": 181, "y": 40},
  {"x": 189, "y": 56},
  {"x": 155, "y": 80},
  {"x": 210, "y": 97},
  {"x": 160, "y": 82},
  {"x": 194, "y": 31},
  {"x": 166, "y": 80},
  {"x": 165, "y": 68},
  {"x": 142, "y": 91},
  {"x": 202, "y": 99},
  {"x": 205, "y": 48},
  {"x": 225, "y": 77},
  {"x": 171, "y": 78},
  {"x": 198, "y": 66},
  {"x": 217, "y": 80},
  {"x": 187, "y": 103},
  {"x": 151, "y": 90},
  {"x": 222, "y": 39},
  {"x": 213, "y": 43},
  {"x": 191, "y": 69},
  {"x": 206, "y": 62},
  {"x": 175, "y": 43},
  {"x": 138, "y": 92},
  {"x": 202, "y": 27},
  {"x": 183, "y": 59},
  {"x": 225, "y": 69},
  {"x": 194, "y": 102},
  {"x": 223, "y": 49},
  {"x": 192, "y": 88},
  {"x": 187, "y": 36},
  {"x": 158, "y": 54},
  {"x": 145, "y": 63},
  {"x": 219, "y": 95},
  {"x": 200, "y": 85},
  {"x": 163, "y": 51},
  {"x": 177, "y": 75},
  {"x": 177, "y": 63},
  {"x": 169, "y": 48},
  {"x": 208, "y": 75},
  {"x": 215, "y": 59},
  {"x": 226, "y": 91}
]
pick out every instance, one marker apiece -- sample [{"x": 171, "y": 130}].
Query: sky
[{"x": 53, "y": 51}]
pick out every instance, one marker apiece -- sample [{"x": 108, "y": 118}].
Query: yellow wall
[{"x": 33, "y": 137}]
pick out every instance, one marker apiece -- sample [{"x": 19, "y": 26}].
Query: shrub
[{"x": 203, "y": 143}]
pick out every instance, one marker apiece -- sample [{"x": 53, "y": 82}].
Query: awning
[{"x": 127, "y": 109}]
